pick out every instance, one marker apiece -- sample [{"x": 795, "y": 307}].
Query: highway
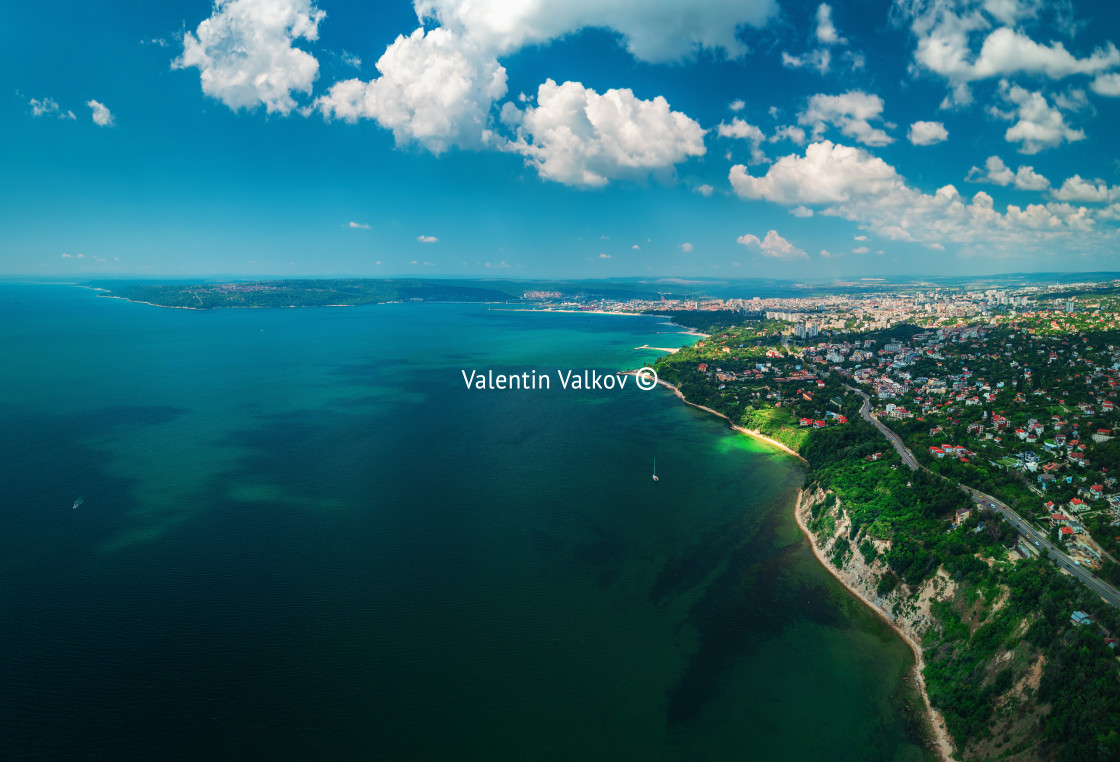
[
  {"x": 1040, "y": 541},
  {"x": 903, "y": 450},
  {"x": 1037, "y": 538}
]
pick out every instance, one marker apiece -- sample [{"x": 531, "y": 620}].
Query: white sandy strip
[
  {"x": 937, "y": 722},
  {"x": 749, "y": 432}
]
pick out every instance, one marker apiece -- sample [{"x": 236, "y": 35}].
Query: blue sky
[{"x": 727, "y": 138}]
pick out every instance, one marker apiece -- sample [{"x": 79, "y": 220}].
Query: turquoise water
[{"x": 303, "y": 537}]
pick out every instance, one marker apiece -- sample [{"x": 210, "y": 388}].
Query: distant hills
[{"x": 319, "y": 292}]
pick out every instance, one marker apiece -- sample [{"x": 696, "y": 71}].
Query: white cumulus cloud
[
  {"x": 578, "y": 137},
  {"x": 851, "y": 112},
  {"x": 245, "y": 55},
  {"x": 828, "y": 173},
  {"x": 773, "y": 245},
  {"x": 1077, "y": 189},
  {"x": 927, "y": 133},
  {"x": 686, "y": 247},
  {"x": 101, "y": 115},
  {"x": 947, "y": 34},
  {"x": 740, "y": 129},
  {"x": 995, "y": 171},
  {"x": 1039, "y": 125},
  {"x": 789, "y": 132},
  {"x": 651, "y": 30},
  {"x": 1107, "y": 85},
  {"x": 426, "y": 238},
  {"x": 855, "y": 185},
  {"x": 826, "y": 30},
  {"x": 359, "y": 225},
  {"x": 435, "y": 88}
]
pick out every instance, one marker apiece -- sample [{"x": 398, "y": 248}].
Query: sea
[{"x": 301, "y": 536}]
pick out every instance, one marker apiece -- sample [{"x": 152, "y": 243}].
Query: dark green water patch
[{"x": 304, "y": 538}]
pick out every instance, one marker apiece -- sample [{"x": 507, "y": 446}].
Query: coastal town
[
  {"x": 1016, "y": 385},
  {"x": 963, "y": 481}
]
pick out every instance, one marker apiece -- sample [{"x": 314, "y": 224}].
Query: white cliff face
[{"x": 906, "y": 609}]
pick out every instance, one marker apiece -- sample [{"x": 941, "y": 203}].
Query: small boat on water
[
  {"x": 655, "y": 470},
  {"x": 78, "y": 502}
]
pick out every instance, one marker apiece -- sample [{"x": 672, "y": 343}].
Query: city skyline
[{"x": 444, "y": 138}]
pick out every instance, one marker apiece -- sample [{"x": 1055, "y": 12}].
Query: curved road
[
  {"x": 1038, "y": 539},
  {"x": 903, "y": 450},
  {"x": 1101, "y": 588}
]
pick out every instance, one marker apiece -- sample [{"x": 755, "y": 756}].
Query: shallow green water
[{"x": 302, "y": 536}]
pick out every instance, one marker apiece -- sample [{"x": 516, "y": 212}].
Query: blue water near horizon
[{"x": 303, "y": 537}]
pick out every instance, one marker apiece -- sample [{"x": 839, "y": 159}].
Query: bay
[{"x": 303, "y": 536}]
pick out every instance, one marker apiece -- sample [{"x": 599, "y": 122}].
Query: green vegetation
[
  {"x": 710, "y": 321},
  {"x": 306, "y": 293},
  {"x": 354, "y": 291},
  {"x": 1005, "y": 665}
]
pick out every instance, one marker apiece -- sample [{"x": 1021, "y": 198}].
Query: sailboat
[{"x": 655, "y": 470}]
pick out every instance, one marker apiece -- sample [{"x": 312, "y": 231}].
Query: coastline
[
  {"x": 940, "y": 736},
  {"x": 150, "y": 304},
  {"x": 575, "y": 312},
  {"x": 749, "y": 432},
  {"x": 942, "y": 743},
  {"x": 689, "y": 331}
]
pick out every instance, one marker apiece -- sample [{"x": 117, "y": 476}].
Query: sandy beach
[
  {"x": 689, "y": 331},
  {"x": 576, "y": 312},
  {"x": 941, "y": 736},
  {"x": 941, "y": 739},
  {"x": 150, "y": 304},
  {"x": 749, "y": 432}
]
